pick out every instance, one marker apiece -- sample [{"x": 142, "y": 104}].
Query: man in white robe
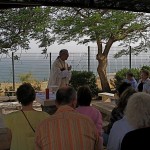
[{"x": 61, "y": 72}]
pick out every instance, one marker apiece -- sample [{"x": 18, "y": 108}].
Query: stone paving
[{"x": 8, "y": 107}]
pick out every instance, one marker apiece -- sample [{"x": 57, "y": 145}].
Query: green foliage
[
  {"x": 1, "y": 88},
  {"x": 121, "y": 74},
  {"x": 86, "y": 25},
  {"x": 63, "y": 24},
  {"x": 28, "y": 77},
  {"x": 146, "y": 68},
  {"x": 19, "y": 25},
  {"x": 37, "y": 86},
  {"x": 80, "y": 78},
  {"x": 104, "y": 27}
]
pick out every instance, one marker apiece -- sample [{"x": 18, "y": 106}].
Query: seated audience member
[
  {"x": 23, "y": 123},
  {"x": 120, "y": 127},
  {"x": 144, "y": 82},
  {"x": 138, "y": 115},
  {"x": 84, "y": 97},
  {"x": 130, "y": 79},
  {"x": 118, "y": 112},
  {"x": 67, "y": 129},
  {"x": 5, "y": 135}
]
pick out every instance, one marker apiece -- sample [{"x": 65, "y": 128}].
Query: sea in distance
[{"x": 39, "y": 64}]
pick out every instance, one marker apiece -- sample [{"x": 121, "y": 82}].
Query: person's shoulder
[
  {"x": 139, "y": 132},
  {"x": 95, "y": 111},
  {"x": 148, "y": 81},
  {"x": 56, "y": 61},
  {"x": 134, "y": 80},
  {"x": 89, "y": 108},
  {"x": 44, "y": 122},
  {"x": 84, "y": 118},
  {"x": 12, "y": 114},
  {"x": 41, "y": 114},
  {"x": 10, "y": 117},
  {"x": 118, "y": 123}
]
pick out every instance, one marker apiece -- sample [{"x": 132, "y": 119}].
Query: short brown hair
[
  {"x": 25, "y": 94},
  {"x": 145, "y": 72}
]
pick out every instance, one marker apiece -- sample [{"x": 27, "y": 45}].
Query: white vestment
[{"x": 57, "y": 77}]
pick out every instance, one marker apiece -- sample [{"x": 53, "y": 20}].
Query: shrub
[
  {"x": 146, "y": 68},
  {"x": 80, "y": 78},
  {"x": 121, "y": 74},
  {"x": 28, "y": 77}
]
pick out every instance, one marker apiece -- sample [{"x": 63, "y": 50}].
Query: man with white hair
[{"x": 61, "y": 72}]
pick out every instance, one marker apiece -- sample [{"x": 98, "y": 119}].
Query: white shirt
[
  {"x": 146, "y": 85},
  {"x": 117, "y": 132}
]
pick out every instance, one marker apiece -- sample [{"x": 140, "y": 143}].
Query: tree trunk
[{"x": 101, "y": 69}]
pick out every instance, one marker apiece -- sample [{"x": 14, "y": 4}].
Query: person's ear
[
  {"x": 57, "y": 104},
  {"x": 74, "y": 103}
]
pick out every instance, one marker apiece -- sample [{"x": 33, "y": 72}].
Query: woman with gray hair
[{"x": 138, "y": 115}]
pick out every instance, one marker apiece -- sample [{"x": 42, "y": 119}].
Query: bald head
[{"x": 66, "y": 96}]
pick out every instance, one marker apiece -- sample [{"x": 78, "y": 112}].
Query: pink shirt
[{"x": 94, "y": 114}]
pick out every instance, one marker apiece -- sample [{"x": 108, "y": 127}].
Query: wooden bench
[{"x": 106, "y": 96}]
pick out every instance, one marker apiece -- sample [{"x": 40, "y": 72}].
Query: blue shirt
[
  {"x": 133, "y": 82},
  {"x": 117, "y": 132}
]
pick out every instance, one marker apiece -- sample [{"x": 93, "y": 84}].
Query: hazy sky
[
  {"x": 55, "y": 48},
  {"x": 71, "y": 46}
]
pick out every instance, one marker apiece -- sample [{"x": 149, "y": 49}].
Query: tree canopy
[
  {"x": 19, "y": 25},
  {"x": 104, "y": 27},
  {"x": 101, "y": 26},
  {"x": 64, "y": 24}
]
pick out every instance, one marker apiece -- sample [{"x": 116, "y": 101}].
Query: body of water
[{"x": 39, "y": 65}]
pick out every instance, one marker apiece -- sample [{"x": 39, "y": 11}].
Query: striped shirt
[{"x": 67, "y": 130}]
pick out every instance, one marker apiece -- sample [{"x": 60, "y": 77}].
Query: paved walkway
[{"x": 8, "y": 107}]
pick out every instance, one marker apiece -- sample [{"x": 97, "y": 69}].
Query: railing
[{"x": 39, "y": 64}]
